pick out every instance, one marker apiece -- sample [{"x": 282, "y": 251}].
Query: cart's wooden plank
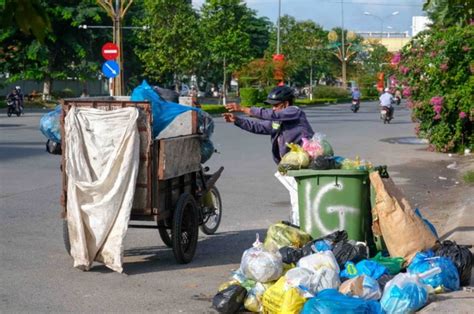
[
  {"x": 181, "y": 125},
  {"x": 178, "y": 156}
]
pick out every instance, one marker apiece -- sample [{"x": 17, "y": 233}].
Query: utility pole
[
  {"x": 343, "y": 47},
  {"x": 278, "y": 27},
  {"x": 117, "y": 14}
]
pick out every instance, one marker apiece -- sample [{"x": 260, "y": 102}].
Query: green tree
[
  {"x": 225, "y": 29},
  {"x": 303, "y": 43},
  {"x": 172, "y": 47},
  {"x": 66, "y": 52},
  {"x": 446, "y": 13},
  {"x": 28, "y": 15}
]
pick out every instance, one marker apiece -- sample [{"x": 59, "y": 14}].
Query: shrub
[
  {"x": 435, "y": 73},
  {"x": 322, "y": 91},
  {"x": 65, "y": 93},
  {"x": 250, "y": 96}
]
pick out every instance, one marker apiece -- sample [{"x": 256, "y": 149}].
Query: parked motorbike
[
  {"x": 386, "y": 114},
  {"x": 355, "y": 105},
  {"x": 14, "y": 107}
]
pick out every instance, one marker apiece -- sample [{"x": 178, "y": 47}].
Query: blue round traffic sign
[{"x": 110, "y": 69}]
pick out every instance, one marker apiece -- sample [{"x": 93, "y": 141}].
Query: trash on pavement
[
  {"x": 284, "y": 234},
  {"x": 260, "y": 264},
  {"x": 362, "y": 286},
  {"x": 281, "y": 298},
  {"x": 349, "y": 251},
  {"x": 295, "y": 159},
  {"x": 406, "y": 293},
  {"x": 403, "y": 231},
  {"x": 253, "y": 301},
  {"x": 461, "y": 256},
  {"x": 229, "y": 300},
  {"x": 365, "y": 267},
  {"x": 394, "y": 264},
  {"x": 317, "y": 260},
  {"x": 427, "y": 223},
  {"x": 331, "y": 301},
  {"x": 448, "y": 278},
  {"x": 50, "y": 125}
]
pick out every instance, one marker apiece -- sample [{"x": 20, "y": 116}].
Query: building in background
[
  {"x": 419, "y": 23},
  {"x": 393, "y": 41}
]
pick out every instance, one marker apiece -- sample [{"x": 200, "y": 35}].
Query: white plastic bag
[
  {"x": 318, "y": 260},
  {"x": 261, "y": 265},
  {"x": 312, "y": 282}
]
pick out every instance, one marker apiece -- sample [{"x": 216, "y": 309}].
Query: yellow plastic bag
[
  {"x": 297, "y": 158},
  {"x": 280, "y": 299},
  {"x": 280, "y": 235}
]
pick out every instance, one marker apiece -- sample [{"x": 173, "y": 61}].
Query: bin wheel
[
  {"x": 67, "y": 243},
  {"x": 212, "y": 212},
  {"x": 185, "y": 229},
  {"x": 165, "y": 232}
]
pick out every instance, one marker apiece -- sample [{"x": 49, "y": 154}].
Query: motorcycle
[
  {"x": 386, "y": 114},
  {"x": 355, "y": 105},
  {"x": 397, "y": 100},
  {"x": 14, "y": 107}
]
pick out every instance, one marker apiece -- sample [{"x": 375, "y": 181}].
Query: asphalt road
[{"x": 36, "y": 274}]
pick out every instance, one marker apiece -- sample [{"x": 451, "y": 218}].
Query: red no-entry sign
[{"x": 110, "y": 51}]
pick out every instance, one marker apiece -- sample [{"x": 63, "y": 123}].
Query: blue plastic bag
[
  {"x": 322, "y": 245},
  {"x": 163, "y": 112},
  {"x": 50, "y": 126},
  {"x": 427, "y": 223},
  {"x": 448, "y": 278},
  {"x": 404, "y": 294},
  {"x": 364, "y": 267},
  {"x": 331, "y": 301}
]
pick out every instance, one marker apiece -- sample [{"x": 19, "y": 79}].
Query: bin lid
[{"x": 332, "y": 172}]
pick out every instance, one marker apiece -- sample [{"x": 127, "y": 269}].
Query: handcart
[{"x": 173, "y": 189}]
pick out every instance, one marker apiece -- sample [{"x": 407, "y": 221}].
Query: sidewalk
[{"x": 439, "y": 190}]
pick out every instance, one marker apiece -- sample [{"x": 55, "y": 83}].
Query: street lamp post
[{"x": 381, "y": 19}]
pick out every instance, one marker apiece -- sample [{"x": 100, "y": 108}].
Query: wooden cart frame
[{"x": 172, "y": 187}]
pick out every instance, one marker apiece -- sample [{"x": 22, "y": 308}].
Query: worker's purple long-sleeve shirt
[{"x": 286, "y": 126}]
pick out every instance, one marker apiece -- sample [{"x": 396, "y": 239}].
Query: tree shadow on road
[{"x": 220, "y": 249}]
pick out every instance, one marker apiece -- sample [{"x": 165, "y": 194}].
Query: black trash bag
[
  {"x": 383, "y": 280},
  {"x": 322, "y": 163},
  {"x": 461, "y": 256},
  {"x": 347, "y": 251},
  {"x": 334, "y": 237},
  {"x": 229, "y": 300},
  {"x": 167, "y": 94},
  {"x": 53, "y": 148},
  {"x": 291, "y": 255}
]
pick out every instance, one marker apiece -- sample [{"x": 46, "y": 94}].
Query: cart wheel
[
  {"x": 185, "y": 229},
  {"x": 67, "y": 244},
  {"x": 165, "y": 233},
  {"x": 212, "y": 212}
]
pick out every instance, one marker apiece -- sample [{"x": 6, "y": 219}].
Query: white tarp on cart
[{"x": 102, "y": 156}]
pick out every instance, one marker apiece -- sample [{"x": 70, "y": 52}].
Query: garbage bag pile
[
  {"x": 317, "y": 153},
  {"x": 163, "y": 111},
  {"x": 292, "y": 273}
]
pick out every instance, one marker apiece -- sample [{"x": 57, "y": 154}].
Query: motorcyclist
[
  {"x": 356, "y": 95},
  {"x": 16, "y": 96},
  {"x": 386, "y": 100}
]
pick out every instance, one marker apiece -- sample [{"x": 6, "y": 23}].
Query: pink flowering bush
[{"x": 439, "y": 85}]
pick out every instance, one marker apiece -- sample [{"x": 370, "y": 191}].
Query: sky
[{"x": 327, "y": 13}]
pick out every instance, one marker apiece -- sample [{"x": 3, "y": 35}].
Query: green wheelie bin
[{"x": 331, "y": 200}]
